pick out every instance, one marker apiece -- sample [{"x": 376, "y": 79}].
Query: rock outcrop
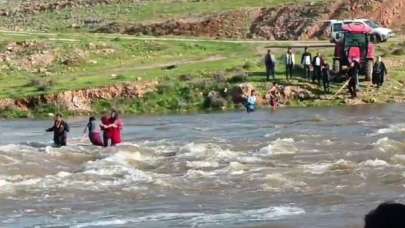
[
  {"x": 29, "y": 56},
  {"x": 81, "y": 100},
  {"x": 286, "y": 22},
  {"x": 33, "y": 7},
  {"x": 234, "y": 24}
]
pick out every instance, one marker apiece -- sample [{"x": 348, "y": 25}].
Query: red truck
[{"x": 356, "y": 45}]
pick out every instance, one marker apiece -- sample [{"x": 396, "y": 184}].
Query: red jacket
[{"x": 115, "y": 132}]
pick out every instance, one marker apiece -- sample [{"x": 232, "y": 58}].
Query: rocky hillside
[
  {"x": 299, "y": 20},
  {"x": 277, "y": 23}
]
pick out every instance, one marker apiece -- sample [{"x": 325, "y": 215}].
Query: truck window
[
  {"x": 355, "y": 40},
  {"x": 337, "y": 27},
  {"x": 372, "y": 24}
]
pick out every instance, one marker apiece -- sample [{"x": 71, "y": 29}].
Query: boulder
[{"x": 215, "y": 100}]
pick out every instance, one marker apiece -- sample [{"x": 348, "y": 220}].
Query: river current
[{"x": 313, "y": 167}]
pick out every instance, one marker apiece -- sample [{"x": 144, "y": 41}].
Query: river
[{"x": 312, "y": 167}]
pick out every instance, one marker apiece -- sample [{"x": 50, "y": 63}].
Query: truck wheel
[{"x": 369, "y": 69}]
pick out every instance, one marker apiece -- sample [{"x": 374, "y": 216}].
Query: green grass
[
  {"x": 132, "y": 60},
  {"x": 183, "y": 89}
]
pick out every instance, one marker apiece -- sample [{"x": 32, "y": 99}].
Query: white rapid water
[{"x": 282, "y": 169}]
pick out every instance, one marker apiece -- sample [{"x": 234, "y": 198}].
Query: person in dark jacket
[
  {"x": 325, "y": 77},
  {"x": 306, "y": 61},
  {"x": 60, "y": 129},
  {"x": 353, "y": 72},
  {"x": 386, "y": 215},
  {"x": 289, "y": 64},
  {"x": 317, "y": 63},
  {"x": 93, "y": 133},
  {"x": 379, "y": 72},
  {"x": 270, "y": 62}
]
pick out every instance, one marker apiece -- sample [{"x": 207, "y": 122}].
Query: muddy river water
[{"x": 314, "y": 167}]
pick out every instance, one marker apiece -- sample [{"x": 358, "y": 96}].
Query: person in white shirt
[
  {"x": 306, "y": 61},
  {"x": 289, "y": 64}
]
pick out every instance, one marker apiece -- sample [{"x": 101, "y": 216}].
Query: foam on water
[
  {"x": 204, "y": 219},
  {"x": 207, "y": 151},
  {"x": 393, "y": 128},
  {"x": 283, "y": 146},
  {"x": 322, "y": 168},
  {"x": 375, "y": 163},
  {"x": 387, "y": 145},
  {"x": 278, "y": 182},
  {"x": 202, "y": 164}
]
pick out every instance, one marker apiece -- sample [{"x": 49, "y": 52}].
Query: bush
[
  {"x": 398, "y": 51},
  {"x": 247, "y": 65},
  {"x": 41, "y": 85},
  {"x": 219, "y": 77},
  {"x": 185, "y": 77},
  {"x": 239, "y": 77}
]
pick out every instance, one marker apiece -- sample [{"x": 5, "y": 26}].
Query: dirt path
[
  {"x": 76, "y": 38},
  {"x": 174, "y": 64}
]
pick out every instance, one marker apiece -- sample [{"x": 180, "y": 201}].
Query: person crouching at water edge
[
  {"x": 60, "y": 129},
  {"x": 94, "y": 134},
  {"x": 250, "y": 103},
  {"x": 112, "y": 127},
  {"x": 274, "y": 96}
]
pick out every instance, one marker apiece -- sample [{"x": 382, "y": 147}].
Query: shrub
[
  {"x": 239, "y": 77},
  {"x": 398, "y": 51},
  {"x": 41, "y": 85},
  {"x": 247, "y": 65}
]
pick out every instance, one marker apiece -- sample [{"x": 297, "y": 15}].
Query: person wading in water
[
  {"x": 251, "y": 101},
  {"x": 273, "y": 96},
  {"x": 60, "y": 129},
  {"x": 94, "y": 134},
  {"x": 113, "y": 128}
]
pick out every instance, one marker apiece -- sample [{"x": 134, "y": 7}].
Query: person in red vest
[{"x": 113, "y": 127}]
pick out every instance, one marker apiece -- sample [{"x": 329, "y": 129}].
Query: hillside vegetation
[{"x": 75, "y": 67}]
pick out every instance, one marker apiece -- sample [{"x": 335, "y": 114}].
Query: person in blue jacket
[{"x": 251, "y": 102}]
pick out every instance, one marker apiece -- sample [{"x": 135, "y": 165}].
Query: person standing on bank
[
  {"x": 289, "y": 64},
  {"x": 270, "y": 63},
  {"x": 325, "y": 77},
  {"x": 379, "y": 72},
  {"x": 60, "y": 129},
  {"x": 306, "y": 61},
  {"x": 352, "y": 74},
  {"x": 317, "y": 65}
]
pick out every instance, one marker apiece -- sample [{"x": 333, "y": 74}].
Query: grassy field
[
  {"x": 110, "y": 60},
  {"x": 143, "y": 12},
  {"x": 98, "y": 61}
]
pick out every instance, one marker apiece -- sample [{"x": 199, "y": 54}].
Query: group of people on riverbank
[
  {"x": 106, "y": 133},
  {"x": 317, "y": 69}
]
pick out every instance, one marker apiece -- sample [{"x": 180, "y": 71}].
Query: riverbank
[{"x": 91, "y": 73}]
